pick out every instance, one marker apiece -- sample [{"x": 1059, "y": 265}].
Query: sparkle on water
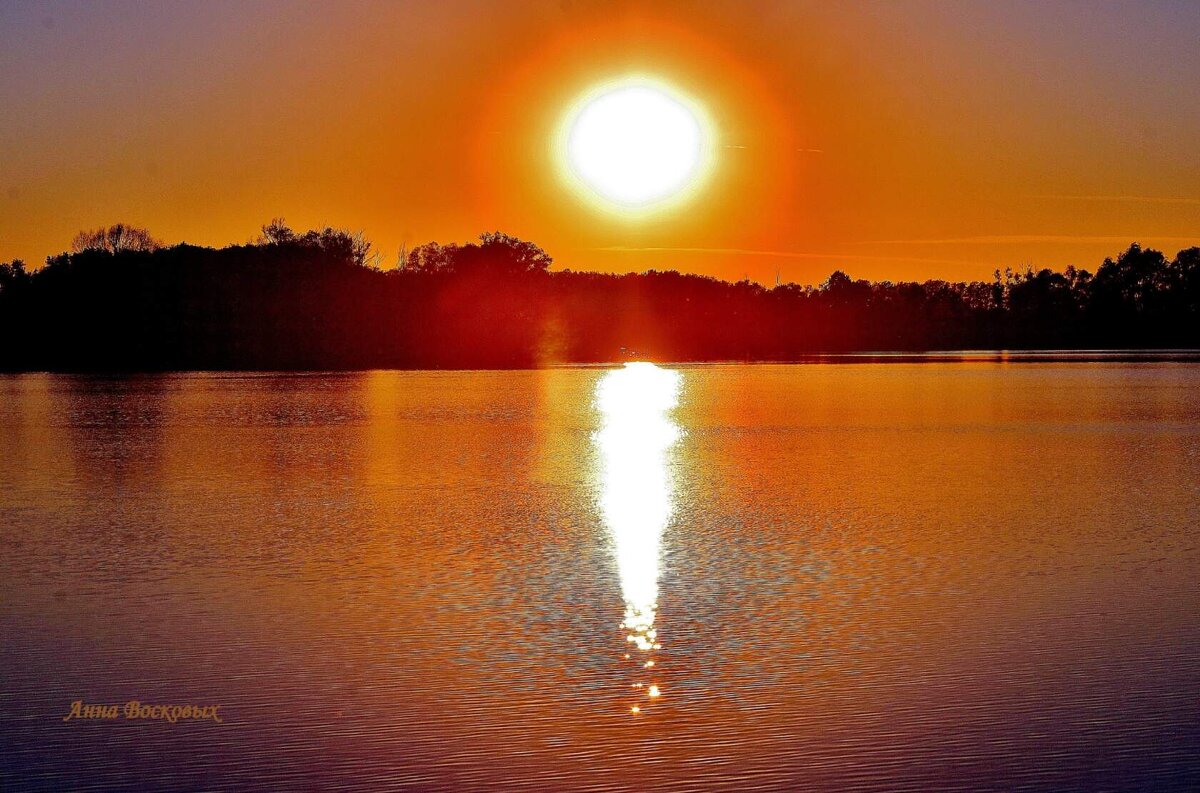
[{"x": 636, "y": 487}]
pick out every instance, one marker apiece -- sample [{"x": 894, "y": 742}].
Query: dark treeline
[{"x": 318, "y": 300}]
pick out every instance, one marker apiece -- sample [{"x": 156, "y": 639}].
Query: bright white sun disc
[{"x": 636, "y": 145}]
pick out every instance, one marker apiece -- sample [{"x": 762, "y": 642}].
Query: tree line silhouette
[{"x": 120, "y": 300}]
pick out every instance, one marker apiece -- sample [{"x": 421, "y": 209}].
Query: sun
[{"x": 635, "y": 146}]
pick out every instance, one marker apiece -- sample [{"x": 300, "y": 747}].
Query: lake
[{"x": 953, "y": 573}]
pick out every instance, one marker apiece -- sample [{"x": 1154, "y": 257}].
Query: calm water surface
[{"x": 972, "y": 574}]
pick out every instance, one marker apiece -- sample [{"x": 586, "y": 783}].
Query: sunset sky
[{"x": 892, "y": 140}]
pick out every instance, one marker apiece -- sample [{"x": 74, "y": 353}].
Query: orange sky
[{"x": 894, "y": 140}]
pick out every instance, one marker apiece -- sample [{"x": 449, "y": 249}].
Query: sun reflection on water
[{"x": 636, "y": 495}]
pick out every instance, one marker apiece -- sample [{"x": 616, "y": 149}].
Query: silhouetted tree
[
  {"x": 1184, "y": 285},
  {"x": 13, "y": 275},
  {"x": 430, "y": 258},
  {"x": 508, "y": 254},
  {"x": 496, "y": 253},
  {"x": 341, "y": 244},
  {"x": 276, "y": 232},
  {"x": 117, "y": 238}
]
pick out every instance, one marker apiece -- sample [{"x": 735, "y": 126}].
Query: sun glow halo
[{"x": 635, "y": 146}]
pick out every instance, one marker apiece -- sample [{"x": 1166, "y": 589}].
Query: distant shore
[{"x": 319, "y": 301}]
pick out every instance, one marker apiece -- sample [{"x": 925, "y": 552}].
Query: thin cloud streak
[
  {"x": 783, "y": 254},
  {"x": 1016, "y": 239},
  {"x": 1131, "y": 199},
  {"x": 739, "y": 146}
]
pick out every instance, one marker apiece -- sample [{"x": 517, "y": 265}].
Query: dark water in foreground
[{"x": 975, "y": 574}]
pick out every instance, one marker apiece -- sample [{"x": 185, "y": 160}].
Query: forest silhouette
[{"x": 121, "y": 301}]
